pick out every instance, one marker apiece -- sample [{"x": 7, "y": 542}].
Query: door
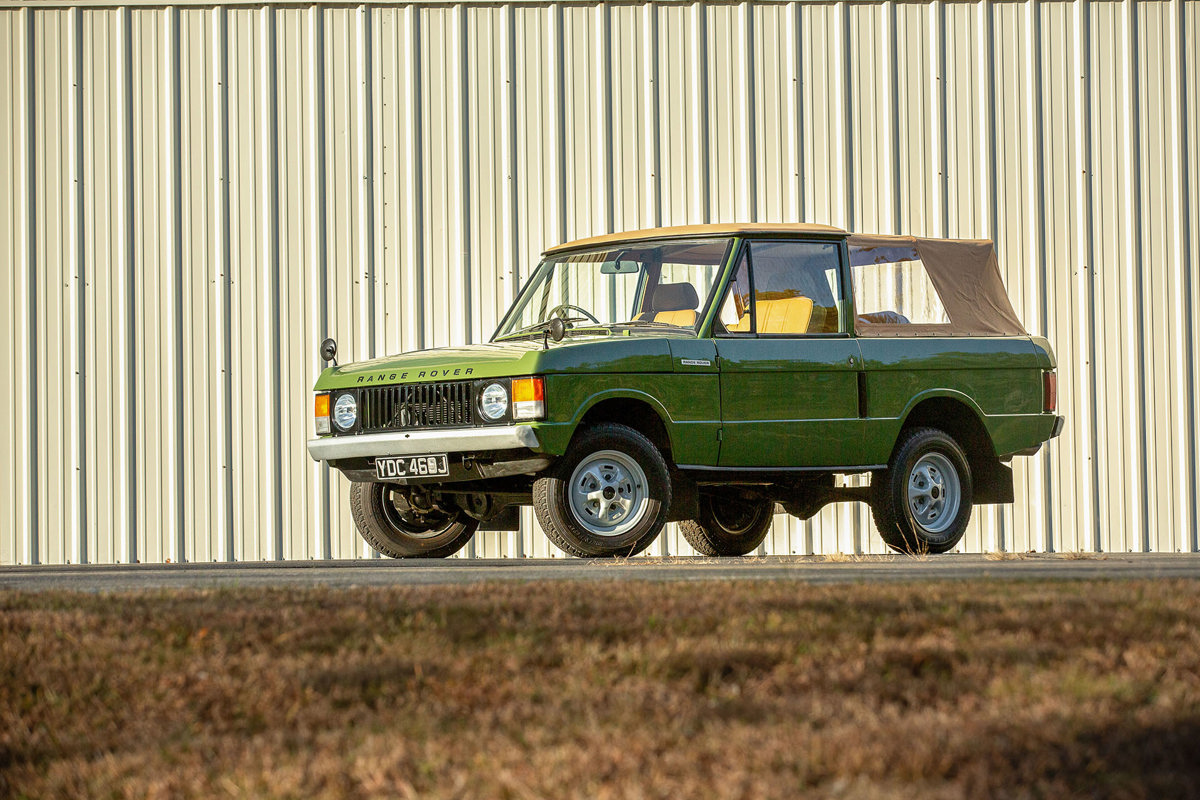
[{"x": 789, "y": 368}]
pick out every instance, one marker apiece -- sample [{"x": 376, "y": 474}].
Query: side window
[
  {"x": 734, "y": 314},
  {"x": 797, "y": 286},
  {"x": 891, "y": 287}
]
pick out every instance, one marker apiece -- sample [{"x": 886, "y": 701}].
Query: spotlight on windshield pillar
[{"x": 328, "y": 351}]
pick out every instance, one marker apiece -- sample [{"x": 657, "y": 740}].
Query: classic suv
[{"x": 703, "y": 375}]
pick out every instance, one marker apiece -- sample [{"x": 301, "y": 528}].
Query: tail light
[{"x": 1049, "y": 392}]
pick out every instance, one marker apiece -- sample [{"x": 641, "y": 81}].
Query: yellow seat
[
  {"x": 684, "y": 317},
  {"x": 674, "y": 304},
  {"x": 788, "y": 315}
]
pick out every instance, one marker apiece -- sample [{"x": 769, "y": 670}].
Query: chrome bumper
[{"x": 400, "y": 443}]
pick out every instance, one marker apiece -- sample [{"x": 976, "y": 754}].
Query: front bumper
[{"x": 405, "y": 443}]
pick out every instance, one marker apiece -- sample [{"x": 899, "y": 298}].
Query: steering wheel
[{"x": 569, "y": 306}]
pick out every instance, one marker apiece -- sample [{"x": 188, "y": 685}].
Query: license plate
[{"x": 412, "y": 467}]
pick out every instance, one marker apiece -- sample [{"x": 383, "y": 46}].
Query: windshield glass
[{"x": 644, "y": 285}]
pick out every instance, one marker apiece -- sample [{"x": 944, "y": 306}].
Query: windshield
[{"x": 641, "y": 286}]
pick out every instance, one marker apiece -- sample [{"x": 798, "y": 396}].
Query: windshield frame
[{"x": 648, "y": 273}]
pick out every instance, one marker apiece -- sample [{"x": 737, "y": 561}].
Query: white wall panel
[{"x": 201, "y": 194}]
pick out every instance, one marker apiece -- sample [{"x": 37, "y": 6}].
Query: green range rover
[{"x": 703, "y": 375}]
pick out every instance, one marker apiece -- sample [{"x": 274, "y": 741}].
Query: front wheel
[
  {"x": 728, "y": 526},
  {"x": 922, "y": 501},
  {"x": 406, "y": 524},
  {"x": 608, "y": 496}
]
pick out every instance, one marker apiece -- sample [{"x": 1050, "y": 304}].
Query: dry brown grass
[{"x": 954, "y": 690}]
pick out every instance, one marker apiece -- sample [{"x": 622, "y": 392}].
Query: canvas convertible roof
[{"x": 965, "y": 273}]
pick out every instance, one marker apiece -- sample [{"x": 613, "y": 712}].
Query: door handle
[{"x": 850, "y": 361}]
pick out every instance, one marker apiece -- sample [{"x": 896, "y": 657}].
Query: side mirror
[
  {"x": 328, "y": 351},
  {"x": 557, "y": 328}
]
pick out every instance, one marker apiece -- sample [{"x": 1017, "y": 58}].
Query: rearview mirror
[{"x": 619, "y": 268}]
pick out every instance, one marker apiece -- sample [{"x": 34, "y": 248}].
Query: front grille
[{"x": 421, "y": 405}]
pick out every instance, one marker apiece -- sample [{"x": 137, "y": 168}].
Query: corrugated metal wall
[{"x": 200, "y": 194}]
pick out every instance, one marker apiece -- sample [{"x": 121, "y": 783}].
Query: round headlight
[
  {"x": 494, "y": 401},
  {"x": 345, "y": 411}
]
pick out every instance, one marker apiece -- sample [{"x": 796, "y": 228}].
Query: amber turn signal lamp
[
  {"x": 529, "y": 398},
  {"x": 321, "y": 412}
]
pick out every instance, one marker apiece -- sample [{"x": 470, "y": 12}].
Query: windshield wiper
[
  {"x": 543, "y": 326},
  {"x": 645, "y": 323}
]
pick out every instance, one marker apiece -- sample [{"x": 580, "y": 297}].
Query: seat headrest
[{"x": 675, "y": 297}]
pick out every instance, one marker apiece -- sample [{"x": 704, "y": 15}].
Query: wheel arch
[
  {"x": 958, "y": 416},
  {"x": 639, "y": 411}
]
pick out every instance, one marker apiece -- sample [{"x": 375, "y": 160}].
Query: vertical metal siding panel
[
  {"x": 1119, "y": 518},
  {"x": 222, "y": 290},
  {"x": 1188, "y": 41},
  {"x": 870, "y": 115},
  {"x": 1061, "y": 269},
  {"x": 724, "y": 123},
  {"x": 77, "y": 530},
  {"x": 917, "y": 109},
  {"x": 768, "y": 132},
  {"x": 12, "y": 528},
  {"x": 173, "y": 296},
  {"x": 249, "y": 430},
  {"x": 151, "y": 257},
  {"x": 679, "y": 156},
  {"x": 1183, "y": 67},
  {"x": 389, "y": 163},
  {"x": 199, "y": 268},
  {"x": 442, "y": 256},
  {"x": 821, "y": 110},
  {"x": 53, "y": 201},
  {"x": 297, "y": 338},
  {"x": 631, "y": 107},
  {"x": 1167, "y": 477},
  {"x": 581, "y": 128},
  {"x": 101, "y": 109},
  {"x": 1084, "y": 422}
]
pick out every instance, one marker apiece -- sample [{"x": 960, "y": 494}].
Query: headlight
[
  {"x": 345, "y": 411},
  {"x": 493, "y": 402}
]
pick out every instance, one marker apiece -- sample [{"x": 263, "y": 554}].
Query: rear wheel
[
  {"x": 403, "y": 523},
  {"x": 922, "y": 501},
  {"x": 608, "y": 496},
  {"x": 728, "y": 526}
]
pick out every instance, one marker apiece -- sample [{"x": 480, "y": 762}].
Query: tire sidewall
[
  {"x": 722, "y": 540},
  {"x": 924, "y": 443},
  {"x": 560, "y": 518},
  {"x": 367, "y": 501}
]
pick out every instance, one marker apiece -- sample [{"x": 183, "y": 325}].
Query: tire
[
  {"x": 608, "y": 496},
  {"x": 387, "y": 522},
  {"x": 728, "y": 526},
  {"x": 922, "y": 502}
]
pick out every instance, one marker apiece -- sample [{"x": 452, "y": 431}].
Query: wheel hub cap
[
  {"x": 608, "y": 493},
  {"x": 934, "y": 492}
]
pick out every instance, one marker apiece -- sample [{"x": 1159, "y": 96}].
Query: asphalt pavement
[{"x": 801, "y": 569}]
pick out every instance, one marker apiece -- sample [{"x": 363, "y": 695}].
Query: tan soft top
[
  {"x": 685, "y": 231},
  {"x": 965, "y": 273}
]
